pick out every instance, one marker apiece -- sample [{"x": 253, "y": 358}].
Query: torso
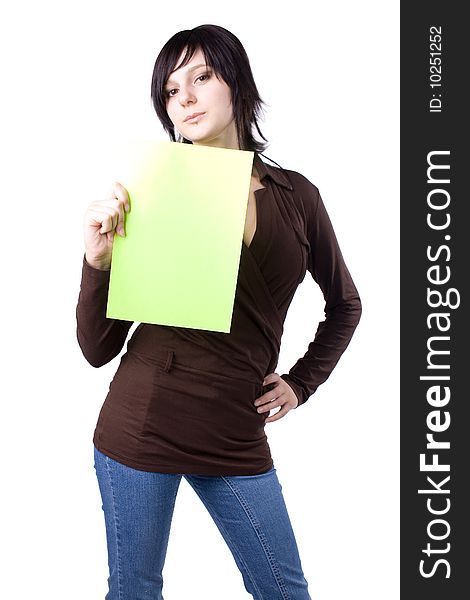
[{"x": 250, "y": 222}]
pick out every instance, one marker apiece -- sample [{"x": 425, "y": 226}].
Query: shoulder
[
  {"x": 300, "y": 183},
  {"x": 292, "y": 180},
  {"x": 305, "y": 194}
]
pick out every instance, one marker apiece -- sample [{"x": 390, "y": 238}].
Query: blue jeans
[{"x": 249, "y": 511}]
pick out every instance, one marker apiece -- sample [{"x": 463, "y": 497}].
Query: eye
[
  {"x": 207, "y": 75},
  {"x": 169, "y": 93}
]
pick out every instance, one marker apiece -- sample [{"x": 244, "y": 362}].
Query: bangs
[
  {"x": 191, "y": 49},
  {"x": 188, "y": 42}
]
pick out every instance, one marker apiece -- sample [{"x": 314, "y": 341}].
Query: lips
[{"x": 194, "y": 117}]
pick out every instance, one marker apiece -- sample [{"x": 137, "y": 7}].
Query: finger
[
  {"x": 108, "y": 208},
  {"x": 280, "y": 413},
  {"x": 119, "y": 191},
  {"x": 120, "y": 222},
  {"x": 270, "y": 378},
  {"x": 106, "y": 219},
  {"x": 113, "y": 208},
  {"x": 266, "y": 398},
  {"x": 107, "y": 226},
  {"x": 113, "y": 204}
]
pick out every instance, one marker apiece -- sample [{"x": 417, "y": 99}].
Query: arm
[
  {"x": 342, "y": 302},
  {"x": 100, "y": 338}
]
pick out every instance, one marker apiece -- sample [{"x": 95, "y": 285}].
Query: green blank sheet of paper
[{"x": 178, "y": 264}]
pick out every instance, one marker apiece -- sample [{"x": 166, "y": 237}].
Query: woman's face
[{"x": 195, "y": 88}]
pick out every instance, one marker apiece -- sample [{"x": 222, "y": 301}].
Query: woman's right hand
[{"x": 104, "y": 218}]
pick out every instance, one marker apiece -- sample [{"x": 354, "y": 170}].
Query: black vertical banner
[{"x": 435, "y": 317}]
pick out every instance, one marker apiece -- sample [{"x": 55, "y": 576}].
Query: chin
[
  {"x": 193, "y": 135},
  {"x": 200, "y": 139}
]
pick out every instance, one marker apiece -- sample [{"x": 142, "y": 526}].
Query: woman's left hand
[{"x": 280, "y": 395}]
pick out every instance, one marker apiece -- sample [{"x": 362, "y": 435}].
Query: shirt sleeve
[
  {"x": 342, "y": 302},
  {"x": 100, "y": 338}
]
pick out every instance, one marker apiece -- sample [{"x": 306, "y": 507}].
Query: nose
[{"x": 186, "y": 97}]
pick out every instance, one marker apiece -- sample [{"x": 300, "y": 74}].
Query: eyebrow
[{"x": 191, "y": 69}]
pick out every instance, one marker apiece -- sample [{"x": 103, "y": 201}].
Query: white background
[{"x": 76, "y": 79}]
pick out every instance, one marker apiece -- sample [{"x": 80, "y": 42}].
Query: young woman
[{"x": 193, "y": 403}]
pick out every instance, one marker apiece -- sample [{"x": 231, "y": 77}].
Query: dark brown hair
[{"x": 224, "y": 53}]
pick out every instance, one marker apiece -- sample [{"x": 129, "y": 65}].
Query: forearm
[
  {"x": 100, "y": 338},
  {"x": 331, "y": 340}
]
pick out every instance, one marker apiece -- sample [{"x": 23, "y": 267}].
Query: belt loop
[{"x": 169, "y": 360}]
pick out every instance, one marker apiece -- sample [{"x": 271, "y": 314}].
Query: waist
[{"x": 200, "y": 351}]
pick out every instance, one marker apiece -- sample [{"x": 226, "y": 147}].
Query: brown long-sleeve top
[{"x": 182, "y": 399}]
